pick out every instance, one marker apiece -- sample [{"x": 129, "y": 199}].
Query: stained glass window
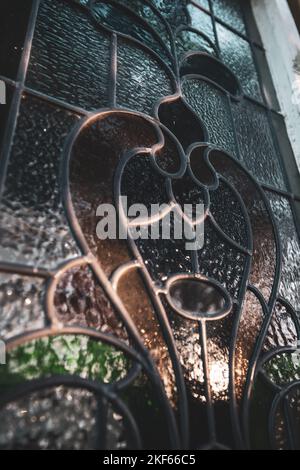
[{"x": 134, "y": 343}]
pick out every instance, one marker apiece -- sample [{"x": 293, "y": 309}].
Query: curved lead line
[
  {"x": 180, "y": 29},
  {"x": 274, "y": 408},
  {"x": 19, "y": 340},
  {"x": 141, "y": 21},
  {"x": 249, "y": 248},
  {"x": 177, "y": 207},
  {"x": 166, "y": 99},
  {"x": 255, "y": 291},
  {"x": 52, "y": 286},
  {"x": 170, "y": 32},
  {"x": 194, "y": 76},
  {"x": 75, "y": 382},
  {"x": 90, "y": 333},
  {"x": 169, "y": 72},
  {"x": 170, "y": 342},
  {"x": 226, "y": 238},
  {"x": 175, "y": 97},
  {"x": 161, "y": 315},
  {"x": 104, "y": 282},
  {"x": 121, "y": 271},
  {"x": 213, "y": 148},
  {"x": 273, "y": 353},
  {"x": 140, "y": 222},
  {"x": 144, "y": 47},
  {"x": 245, "y": 250},
  {"x": 192, "y": 222},
  {"x": 292, "y": 313},
  {"x": 253, "y": 364},
  {"x": 155, "y": 149},
  {"x": 232, "y": 351},
  {"x": 207, "y": 149},
  {"x": 78, "y": 232}
]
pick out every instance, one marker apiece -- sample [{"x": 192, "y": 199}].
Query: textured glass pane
[
  {"x": 264, "y": 248},
  {"x": 21, "y": 304},
  {"x": 4, "y": 111},
  {"x": 221, "y": 262},
  {"x": 144, "y": 294},
  {"x": 131, "y": 287},
  {"x": 201, "y": 21},
  {"x": 95, "y": 157},
  {"x": 33, "y": 226},
  {"x": 231, "y": 221},
  {"x": 80, "y": 300},
  {"x": 203, "y": 3},
  {"x": 149, "y": 14},
  {"x": 187, "y": 338},
  {"x": 13, "y": 26},
  {"x": 187, "y": 41},
  {"x": 142, "y": 80},
  {"x": 159, "y": 255},
  {"x": 212, "y": 107},
  {"x": 248, "y": 331},
  {"x": 236, "y": 54},
  {"x": 230, "y": 11},
  {"x": 124, "y": 21},
  {"x": 290, "y": 278},
  {"x": 70, "y": 57},
  {"x": 173, "y": 11},
  {"x": 52, "y": 419},
  {"x": 282, "y": 330},
  {"x": 256, "y": 143}
]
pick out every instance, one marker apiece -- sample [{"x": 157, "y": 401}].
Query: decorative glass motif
[{"x": 162, "y": 346}]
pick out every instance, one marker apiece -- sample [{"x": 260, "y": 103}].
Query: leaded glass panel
[{"x": 145, "y": 343}]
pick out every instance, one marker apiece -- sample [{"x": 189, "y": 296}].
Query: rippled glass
[
  {"x": 34, "y": 226},
  {"x": 236, "y": 53},
  {"x": 69, "y": 56},
  {"x": 290, "y": 279},
  {"x": 145, "y": 342},
  {"x": 230, "y": 11}
]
